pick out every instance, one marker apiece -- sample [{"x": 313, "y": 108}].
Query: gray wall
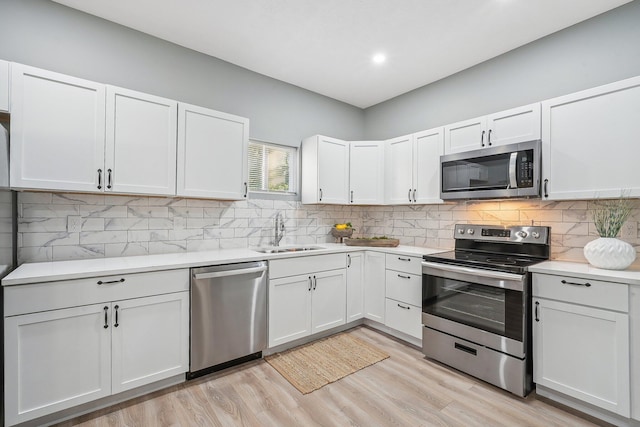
[
  {"x": 51, "y": 36},
  {"x": 601, "y": 50}
]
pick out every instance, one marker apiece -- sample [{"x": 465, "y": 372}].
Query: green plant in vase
[{"x": 608, "y": 251}]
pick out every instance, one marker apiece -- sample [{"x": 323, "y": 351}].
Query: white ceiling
[{"x": 326, "y": 46}]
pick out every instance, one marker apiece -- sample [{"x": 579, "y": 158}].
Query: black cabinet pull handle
[
  {"x": 404, "y": 259},
  {"x": 409, "y": 195},
  {"x": 348, "y": 261},
  {"x": 351, "y": 196},
  {"x": 404, "y": 277},
  {"x": 246, "y": 190},
  {"x": 546, "y": 184},
  {"x": 106, "y": 319},
  {"x": 489, "y": 137},
  {"x": 100, "y": 282},
  {"x": 414, "y": 195},
  {"x": 315, "y": 283},
  {"x": 99, "y": 179},
  {"x": 109, "y": 171},
  {"x": 402, "y": 306},
  {"x": 466, "y": 349},
  {"x": 320, "y": 194},
  {"x": 309, "y": 284},
  {"x": 586, "y": 284},
  {"x": 482, "y": 138},
  {"x": 115, "y": 325},
  {"x": 536, "y": 310}
]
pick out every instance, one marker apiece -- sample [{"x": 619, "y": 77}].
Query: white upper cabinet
[
  {"x": 506, "y": 127},
  {"x": 412, "y": 168},
  {"x": 212, "y": 153},
  {"x": 57, "y": 131},
  {"x": 4, "y": 86},
  {"x": 589, "y": 142},
  {"x": 140, "y": 143},
  {"x": 325, "y": 170},
  {"x": 366, "y": 172}
]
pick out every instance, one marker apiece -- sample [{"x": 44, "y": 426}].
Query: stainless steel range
[{"x": 476, "y": 303}]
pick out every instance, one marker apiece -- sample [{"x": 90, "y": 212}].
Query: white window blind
[{"x": 272, "y": 168}]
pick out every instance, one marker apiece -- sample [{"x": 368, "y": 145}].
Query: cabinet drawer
[
  {"x": 305, "y": 264},
  {"x": 407, "y": 264},
  {"x": 403, "y": 317},
  {"x": 21, "y": 299},
  {"x": 595, "y": 293},
  {"x": 404, "y": 287}
]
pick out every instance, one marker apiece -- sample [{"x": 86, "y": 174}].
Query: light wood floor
[{"x": 403, "y": 390}]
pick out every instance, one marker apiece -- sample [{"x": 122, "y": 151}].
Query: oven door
[{"x": 482, "y": 306}]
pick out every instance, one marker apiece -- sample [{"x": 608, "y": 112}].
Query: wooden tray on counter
[{"x": 378, "y": 243}]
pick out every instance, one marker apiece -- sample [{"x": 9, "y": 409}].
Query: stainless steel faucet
[{"x": 279, "y": 234}]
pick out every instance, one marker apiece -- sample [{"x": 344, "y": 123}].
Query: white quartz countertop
[
  {"x": 586, "y": 271},
  {"x": 64, "y": 270}
]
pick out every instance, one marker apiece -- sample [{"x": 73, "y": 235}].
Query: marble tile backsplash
[{"x": 128, "y": 225}]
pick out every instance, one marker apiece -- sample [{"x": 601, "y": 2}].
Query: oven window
[{"x": 495, "y": 310}]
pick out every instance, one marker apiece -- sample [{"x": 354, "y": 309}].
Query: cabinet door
[
  {"x": 289, "y": 309},
  {"x": 57, "y": 131},
  {"x": 398, "y": 170},
  {"x": 465, "y": 136},
  {"x": 634, "y": 333},
  {"x": 150, "y": 339},
  {"x": 366, "y": 172},
  {"x": 519, "y": 124},
  {"x": 355, "y": 286},
  {"x": 4, "y": 86},
  {"x": 582, "y": 352},
  {"x": 374, "y": 286},
  {"x": 333, "y": 171},
  {"x": 328, "y": 300},
  {"x": 427, "y": 149},
  {"x": 140, "y": 154},
  {"x": 586, "y": 138},
  {"x": 212, "y": 153},
  {"x": 55, "y": 360}
]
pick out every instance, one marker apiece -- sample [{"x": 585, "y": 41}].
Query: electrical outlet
[
  {"x": 74, "y": 224},
  {"x": 629, "y": 230}
]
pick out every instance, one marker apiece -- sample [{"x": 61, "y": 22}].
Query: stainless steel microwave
[{"x": 504, "y": 171}]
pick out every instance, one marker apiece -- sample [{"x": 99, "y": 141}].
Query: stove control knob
[
  {"x": 535, "y": 235},
  {"x": 460, "y": 230},
  {"x": 522, "y": 234},
  {"x": 470, "y": 231}
]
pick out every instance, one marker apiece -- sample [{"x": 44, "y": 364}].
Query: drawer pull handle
[
  {"x": 106, "y": 319},
  {"x": 100, "y": 282},
  {"x": 586, "y": 284},
  {"x": 402, "y": 306},
  {"x": 404, "y": 277},
  {"x": 115, "y": 325},
  {"x": 404, "y": 259},
  {"x": 537, "y": 316},
  {"x": 466, "y": 349}
]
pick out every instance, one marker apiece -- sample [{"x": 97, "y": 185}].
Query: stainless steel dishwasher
[{"x": 228, "y": 315}]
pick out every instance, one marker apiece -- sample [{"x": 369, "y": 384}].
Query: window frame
[{"x": 294, "y": 174}]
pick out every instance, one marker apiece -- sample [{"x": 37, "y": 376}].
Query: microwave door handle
[{"x": 513, "y": 181}]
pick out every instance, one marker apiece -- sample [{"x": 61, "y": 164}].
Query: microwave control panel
[{"x": 525, "y": 169}]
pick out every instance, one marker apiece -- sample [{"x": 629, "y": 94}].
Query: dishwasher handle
[{"x": 226, "y": 273}]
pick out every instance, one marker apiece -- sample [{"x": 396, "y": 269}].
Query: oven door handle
[{"x": 437, "y": 269}]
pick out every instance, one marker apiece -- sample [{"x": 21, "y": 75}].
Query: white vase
[{"x": 609, "y": 253}]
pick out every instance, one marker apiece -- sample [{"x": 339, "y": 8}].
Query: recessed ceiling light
[{"x": 379, "y": 58}]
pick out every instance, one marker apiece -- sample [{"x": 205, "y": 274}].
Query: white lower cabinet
[
  {"x": 403, "y": 317},
  {"x": 311, "y": 301},
  {"x": 579, "y": 349},
  {"x": 355, "y": 286},
  {"x": 404, "y": 294},
  {"x": 634, "y": 333},
  {"x": 62, "y": 357},
  {"x": 374, "y": 286}
]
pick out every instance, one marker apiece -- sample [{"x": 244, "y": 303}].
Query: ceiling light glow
[{"x": 379, "y": 58}]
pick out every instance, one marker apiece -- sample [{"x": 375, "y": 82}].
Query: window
[{"x": 272, "y": 168}]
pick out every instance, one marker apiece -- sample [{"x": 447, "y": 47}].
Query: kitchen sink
[{"x": 277, "y": 249}]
